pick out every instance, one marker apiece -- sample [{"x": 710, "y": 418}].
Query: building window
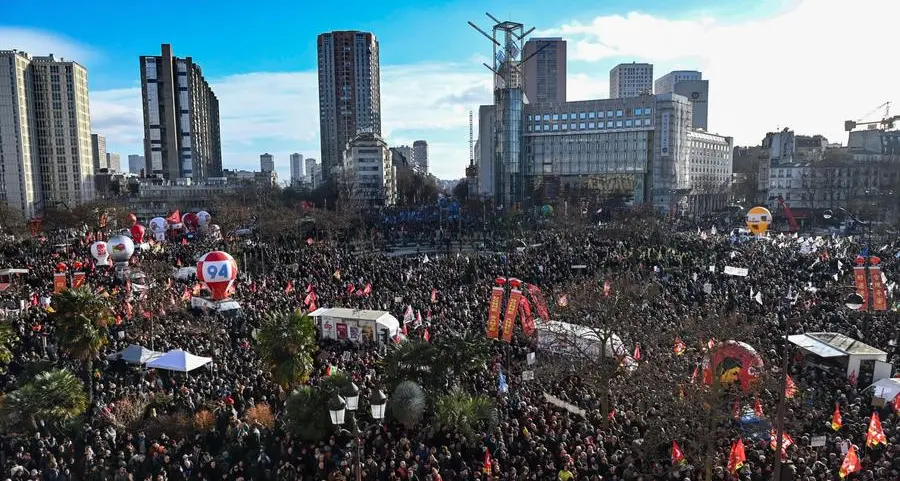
[
  {"x": 647, "y": 111},
  {"x": 591, "y": 115},
  {"x": 582, "y": 116},
  {"x": 564, "y": 126},
  {"x": 628, "y": 123},
  {"x": 600, "y": 115},
  {"x": 565, "y": 116},
  {"x": 618, "y": 113},
  {"x": 546, "y": 117},
  {"x": 555, "y": 126},
  {"x": 637, "y": 111},
  {"x": 529, "y": 118},
  {"x": 573, "y": 127},
  {"x": 555, "y": 116},
  {"x": 546, "y": 127},
  {"x": 618, "y": 123},
  {"x": 591, "y": 125},
  {"x": 581, "y": 125},
  {"x": 609, "y": 124}
]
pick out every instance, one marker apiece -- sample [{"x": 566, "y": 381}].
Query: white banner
[{"x": 736, "y": 271}]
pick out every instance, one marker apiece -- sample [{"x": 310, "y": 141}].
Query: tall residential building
[
  {"x": 135, "y": 164},
  {"x": 113, "y": 162},
  {"x": 313, "y": 172},
  {"x": 266, "y": 163},
  {"x": 98, "y": 152},
  {"x": 45, "y": 133},
  {"x": 545, "y": 71},
  {"x": 181, "y": 119},
  {"x": 420, "y": 156},
  {"x": 296, "y": 169},
  {"x": 349, "y": 92},
  {"x": 690, "y": 84},
  {"x": 630, "y": 80}
]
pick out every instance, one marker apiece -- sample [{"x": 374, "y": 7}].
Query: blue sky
[{"x": 771, "y": 63}]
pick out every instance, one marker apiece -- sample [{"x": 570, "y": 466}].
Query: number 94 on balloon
[{"x": 217, "y": 271}]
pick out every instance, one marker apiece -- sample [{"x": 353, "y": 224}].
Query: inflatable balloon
[
  {"x": 204, "y": 218},
  {"x": 191, "y": 221},
  {"x": 218, "y": 270},
  {"x": 77, "y": 265},
  {"x": 758, "y": 220},
  {"x": 547, "y": 210},
  {"x": 137, "y": 233},
  {"x": 158, "y": 225},
  {"x": 121, "y": 248},
  {"x": 61, "y": 267},
  {"x": 100, "y": 253},
  {"x": 731, "y": 362}
]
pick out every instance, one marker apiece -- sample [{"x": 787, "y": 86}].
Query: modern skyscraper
[
  {"x": 113, "y": 162},
  {"x": 690, "y": 84},
  {"x": 45, "y": 133},
  {"x": 545, "y": 72},
  {"x": 181, "y": 119},
  {"x": 630, "y": 80},
  {"x": 135, "y": 164},
  {"x": 420, "y": 156},
  {"x": 296, "y": 169},
  {"x": 98, "y": 151},
  {"x": 349, "y": 92},
  {"x": 311, "y": 169},
  {"x": 266, "y": 162}
]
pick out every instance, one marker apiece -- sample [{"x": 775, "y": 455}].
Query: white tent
[
  {"x": 833, "y": 345},
  {"x": 562, "y": 337},
  {"x": 178, "y": 360},
  {"x": 886, "y": 389},
  {"x": 135, "y": 354}
]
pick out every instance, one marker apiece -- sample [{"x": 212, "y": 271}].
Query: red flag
[
  {"x": 737, "y": 457},
  {"x": 527, "y": 317},
  {"x": 853, "y": 378},
  {"x": 757, "y": 408},
  {"x": 679, "y": 347},
  {"x": 695, "y": 373},
  {"x": 183, "y": 241},
  {"x": 289, "y": 288},
  {"x": 404, "y": 330},
  {"x": 677, "y": 454},
  {"x": 426, "y": 335},
  {"x": 486, "y": 469},
  {"x": 786, "y": 442},
  {"x": 433, "y": 295},
  {"x": 563, "y": 300},
  {"x": 309, "y": 288},
  {"x": 309, "y": 241},
  {"x": 368, "y": 289},
  {"x": 637, "y": 352},
  {"x": 736, "y": 409},
  {"x": 851, "y": 463},
  {"x": 897, "y": 403},
  {"x": 790, "y": 389},
  {"x": 875, "y": 435},
  {"x": 836, "y": 421},
  {"x": 328, "y": 370},
  {"x": 612, "y": 414},
  {"x": 607, "y": 288}
]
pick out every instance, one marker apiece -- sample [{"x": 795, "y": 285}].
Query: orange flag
[
  {"x": 875, "y": 435},
  {"x": 487, "y": 461},
  {"x": 737, "y": 457},
  {"x": 836, "y": 421},
  {"x": 850, "y": 464},
  {"x": 757, "y": 408},
  {"x": 679, "y": 347},
  {"x": 677, "y": 454}
]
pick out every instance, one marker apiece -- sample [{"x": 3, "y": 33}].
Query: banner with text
[
  {"x": 540, "y": 305},
  {"x": 77, "y": 280},
  {"x": 862, "y": 286},
  {"x": 527, "y": 317},
  {"x": 879, "y": 296},
  {"x": 60, "y": 281},
  {"x": 494, "y": 310},
  {"x": 509, "y": 319}
]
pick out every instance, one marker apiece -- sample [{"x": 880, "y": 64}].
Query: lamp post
[{"x": 348, "y": 400}]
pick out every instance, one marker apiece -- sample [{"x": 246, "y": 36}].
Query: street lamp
[
  {"x": 348, "y": 400},
  {"x": 854, "y": 301}
]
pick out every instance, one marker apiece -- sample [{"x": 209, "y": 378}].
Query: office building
[
  {"x": 113, "y": 162},
  {"x": 349, "y": 92},
  {"x": 135, "y": 164},
  {"x": 296, "y": 169},
  {"x": 369, "y": 171},
  {"x": 709, "y": 171},
  {"x": 98, "y": 152},
  {"x": 545, "y": 70},
  {"x": 420, "y": 157},
  {"x": 266, "y": 163},
  {"x": 690, "y": 84},
  {"x": 630, "y": 80},
  {"x": 181, "y": 119},
  {"x": 45, "y": 133}
]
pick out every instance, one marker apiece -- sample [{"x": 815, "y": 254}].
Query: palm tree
[
  {"x": 7, "y": 337},
  {"x": 305, "y": 410},
  {"x": 411, "y": 360},
  {"x": 54, "y": 397},
  {"x": 408, "y": 403},
  {"x": 462, "y": 413},
  {"x": 81, "y": 318},
  {"x": 286, "y": 344}
]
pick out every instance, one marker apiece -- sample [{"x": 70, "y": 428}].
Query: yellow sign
[{"x": 758, "y": 220}]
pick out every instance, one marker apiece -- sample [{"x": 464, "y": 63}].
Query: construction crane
[
  {"x": 792, "y": 222},
  {"x": 886, "y": 122}
]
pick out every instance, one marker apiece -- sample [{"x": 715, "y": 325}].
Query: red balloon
[
  {"x": 218, "y": 270},
  {"x": 875, "y": 260},
  {"x": 515, "y": 283},
  {"x": 77, "y": 264},
  {"x": 501, "y": 281},
  {"x": 191, "y": 221},
  {"x": 860, "y": 260},
  {"x": 137, "y": 233},
  {"x": 61, "y": 267}
]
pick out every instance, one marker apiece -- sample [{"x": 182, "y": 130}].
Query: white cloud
[
  {"x": 39, "y": 43},
  {"x": 809, "y": 68}
]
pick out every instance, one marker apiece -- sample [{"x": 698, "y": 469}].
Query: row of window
[
  {"x": 617, "y": 124},
  {"x": 592, "y": 115}
]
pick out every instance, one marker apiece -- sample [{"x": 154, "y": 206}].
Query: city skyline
[{"x": 777, "y": 63}]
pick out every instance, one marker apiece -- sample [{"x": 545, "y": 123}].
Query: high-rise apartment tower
[{"x": 545, "y": 71}]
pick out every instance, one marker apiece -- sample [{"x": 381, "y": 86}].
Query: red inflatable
[
  {"x": 191, "y": 221},
  {"x": 218, "y": 270},
  {"x": 137, "y": 233},
  {"x": 732, "y": 361}
]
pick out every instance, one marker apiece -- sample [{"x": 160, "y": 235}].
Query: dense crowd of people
[{"x": 654, "y": 282}]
